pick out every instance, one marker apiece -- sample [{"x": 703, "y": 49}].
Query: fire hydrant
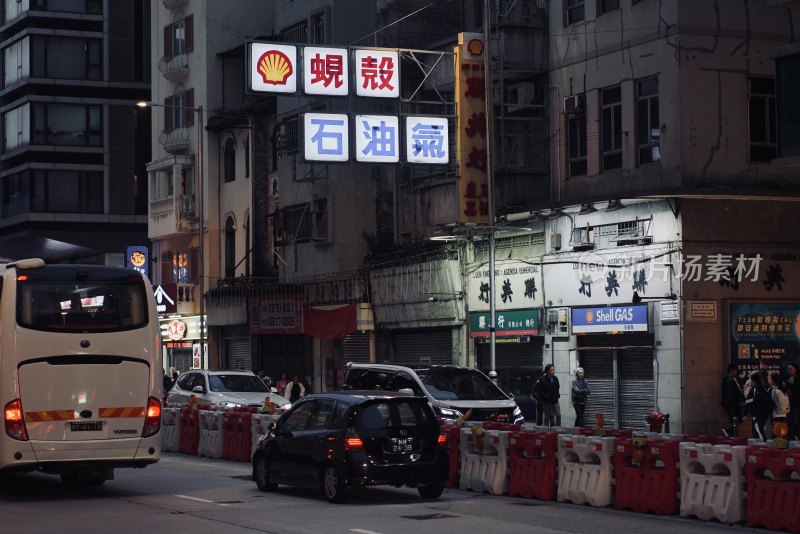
[{"x": 658, "y": 422}]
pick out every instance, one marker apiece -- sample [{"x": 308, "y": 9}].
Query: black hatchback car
[{"x": 340, "y": 440}]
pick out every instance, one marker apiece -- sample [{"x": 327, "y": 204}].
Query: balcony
[
  {"x": 174, "y": 4},
  {"x": 175, "y": 141},
  {"x": 172, "y": 215},
  {"x": 174, "y": 68}
]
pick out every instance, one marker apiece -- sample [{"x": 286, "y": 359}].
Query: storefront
[{"x": 180, "y": 338}]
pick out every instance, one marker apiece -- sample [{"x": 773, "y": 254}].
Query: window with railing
[
  {"x": 576, "y": 145},
  {"x": 604, "y": 6},
  {"x": 296, "y": 33},
  {"x": 287, "y": 137},
  {"x": 574, "y": 11},
  {"x": 296, "y": 224}
]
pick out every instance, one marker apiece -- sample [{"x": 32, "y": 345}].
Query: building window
[
  {"x": 648, "y": 136},
  {"x": 318, "y": 28},
  {"x": 604, "y": 6},
  {"x": 230, "y": 248},
  {"x": 576, "y": 135},
  {"x": 179, "y": 37},
  {"x": 319, "y": 209},
  {"x": 573, "y": 11},
  {"x": 67, "y": 125},
  {"x": 247, "y": 157},
  {"x": 17, "y": 65},
  {"x": 179, "y": 110},
  {"x": 88, "y": 7},
  {"x": 297, "y": 33},
  {"x": 287, "y": 138},
  {"x": 229, "y": 160},
  {"x": 296, "y": 227},
  {"x": 762, "y": 119},
  {"x": 247, "y": 245},
  {"x": 17, "y": 127},
  {"x": 66, "y": 58},
  {"x": 53, "y": 191},
  {"x": 611, "y": 128}
]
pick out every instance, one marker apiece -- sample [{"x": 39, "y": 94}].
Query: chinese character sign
[
  {"x": 427, "y": 140},
  {"x": 471, "y": 142},
  {"x": 325, "y": 71},
  {"x": 273, "y": 68},
  {"x": 377, "y": 73},
  {"x": 377, "y": 138},
  {"x": 326, "y": 137},
  {"x": 764, "y": 335}
]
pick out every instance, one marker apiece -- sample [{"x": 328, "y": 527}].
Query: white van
[{"x": 451, "y": 390}]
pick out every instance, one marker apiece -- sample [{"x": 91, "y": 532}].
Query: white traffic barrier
[
  {"x": 260, "y": 423},
  {"x": 211, "y": 439},
  {"x": 530, "y": 427},
  {"x": 170, "y": 429},
  {"x": 470, "y": 460},
  {"x": 585, "y": 469},
  {"x": 712, "y": 481},
  {"x": 493, "y": 469}
]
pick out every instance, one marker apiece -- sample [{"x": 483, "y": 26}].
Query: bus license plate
[
  {"x": 402, "y": 444},
  {"x": 86, "y": 426}
]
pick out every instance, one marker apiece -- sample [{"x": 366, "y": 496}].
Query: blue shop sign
[
  {"x": 609, "y": 319},
  {"x": 137, "y": 258}
]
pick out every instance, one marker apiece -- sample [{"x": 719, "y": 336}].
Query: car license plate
[
  {"x": 402, "y": 444},
  {"x": 86, "y": 426}
]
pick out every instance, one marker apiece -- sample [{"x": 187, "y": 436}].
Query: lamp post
[
  {"x": 487, "y": 64},
  {"x": 201, "y": 208}
]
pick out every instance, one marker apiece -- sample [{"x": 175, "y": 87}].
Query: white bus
[{"x": 80, "y": 370}]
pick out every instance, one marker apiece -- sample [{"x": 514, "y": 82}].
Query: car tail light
[
  {"x": 352, "y": 441},
  {"x": 15, "y": 421},
  {"x": 152, "y": 418},
  {"x": 442, "y": 440}
]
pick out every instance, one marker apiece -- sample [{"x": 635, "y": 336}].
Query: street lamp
[{"x": 201, "y": 209}]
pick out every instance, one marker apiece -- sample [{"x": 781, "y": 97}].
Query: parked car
[
  {"x": 341, "y": 440},
  {"x": 226, "y": 388},
  {"x": 451, "y": 390}
]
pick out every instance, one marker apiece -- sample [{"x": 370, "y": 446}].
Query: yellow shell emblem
[{"x": 274, "y": 67}]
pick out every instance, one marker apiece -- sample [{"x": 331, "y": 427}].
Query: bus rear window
[{"x": 81, "y": 306}]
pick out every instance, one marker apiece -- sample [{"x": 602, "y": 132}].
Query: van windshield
[
  {"x": 81, "y": 300},
  {"x": 460, "y": 384}
]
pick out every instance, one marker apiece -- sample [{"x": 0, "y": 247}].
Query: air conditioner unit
[
  {"x": 521, "y": 96},
  {"x": 573, "y": 104},
  {"x": 555, "y": 241}
]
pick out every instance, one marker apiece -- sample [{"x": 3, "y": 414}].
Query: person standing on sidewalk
[
  {"x": 547, "y": 388},
  {"x": 579, "y": 389},
  {"x": 759, "y": 404},
  {"x": 793, "y": 392},
  {"x": 732, "y": 401}
]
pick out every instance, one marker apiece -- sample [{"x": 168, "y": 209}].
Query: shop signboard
[
  {"x": 606, "y": 319},
  {"x": 275, "y": 314},
  {"x": 507, "y": 323},
  {"x": 764, "y": 335}
]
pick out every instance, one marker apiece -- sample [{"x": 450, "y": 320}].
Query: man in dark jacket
[
  {"x": 732, "y": 401},
  {"x": 546, "y": 389}
]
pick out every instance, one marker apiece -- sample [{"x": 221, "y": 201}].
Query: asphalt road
[{"x": 184, "y": 494}]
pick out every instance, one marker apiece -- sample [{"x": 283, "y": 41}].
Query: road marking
[
  {"x": 202, "y": 500},
  {"x": 363, "y": 531}
]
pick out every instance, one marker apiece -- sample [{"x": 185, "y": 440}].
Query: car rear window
[{"x": 386, "y": 414}]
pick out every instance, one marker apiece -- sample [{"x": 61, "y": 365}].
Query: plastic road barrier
[
  {"x": 453, "y": 434},
  {"x": 210, "y": 444},
  {"x": 646, "y": 475},
  {"x": 585, "y": 469},
  {"x": 170, "y": 429},
  {"x": 237, "y": 441},
  {"x": 260, "y": 427},
  {"x": 190, "y": 430},
  {"x": 712, "y": 481},
  {"x": 533, "y": 458},
  {"x": 773, "y": 488}
]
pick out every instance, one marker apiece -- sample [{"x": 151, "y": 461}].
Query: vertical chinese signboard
[
  {"x": 765, "y": 335},
  {"x": 471, "y": 139}
]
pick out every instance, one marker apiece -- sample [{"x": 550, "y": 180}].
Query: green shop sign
[{"x": 507, "y": 323}]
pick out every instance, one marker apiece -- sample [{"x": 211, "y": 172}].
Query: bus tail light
[
  {"x": 152, "y": 418},
  {"x": 15, "y": 421}
]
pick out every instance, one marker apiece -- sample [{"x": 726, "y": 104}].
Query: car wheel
[
  {"x": 333, "y": 485},
  {"x": 261, "y": 474},
  {"x": 430, "y": 491}
]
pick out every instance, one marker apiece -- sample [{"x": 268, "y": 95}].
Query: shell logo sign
[
  {"x": 176, "y": 330},
  {"x": 589, "y": 316},
  {"x": 274, "y": 67}
]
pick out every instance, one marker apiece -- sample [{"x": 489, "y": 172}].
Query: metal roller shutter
[
  {"x": 599, "y": 368},
  {"x": 636, "y": 387},
  {"x": 236, "y": 341},
  {"x": 355, "y": 348},
  {"x": 434, "y": 346}
]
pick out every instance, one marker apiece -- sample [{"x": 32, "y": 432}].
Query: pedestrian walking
[
  {"x": 294, "y": 389},
  {"x": 167, "y": 382},
  {"x": 282, "y": 382},
  {"x": 759, "y": 404},
  {"x": 732, "y": 401},
  {"x": 547, "y": 389},
  {"x": 793, "y": 392},
  {"x": 579, "y": 389}
]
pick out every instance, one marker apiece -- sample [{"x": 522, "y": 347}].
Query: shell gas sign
[{"x": 275, "y": 67}]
